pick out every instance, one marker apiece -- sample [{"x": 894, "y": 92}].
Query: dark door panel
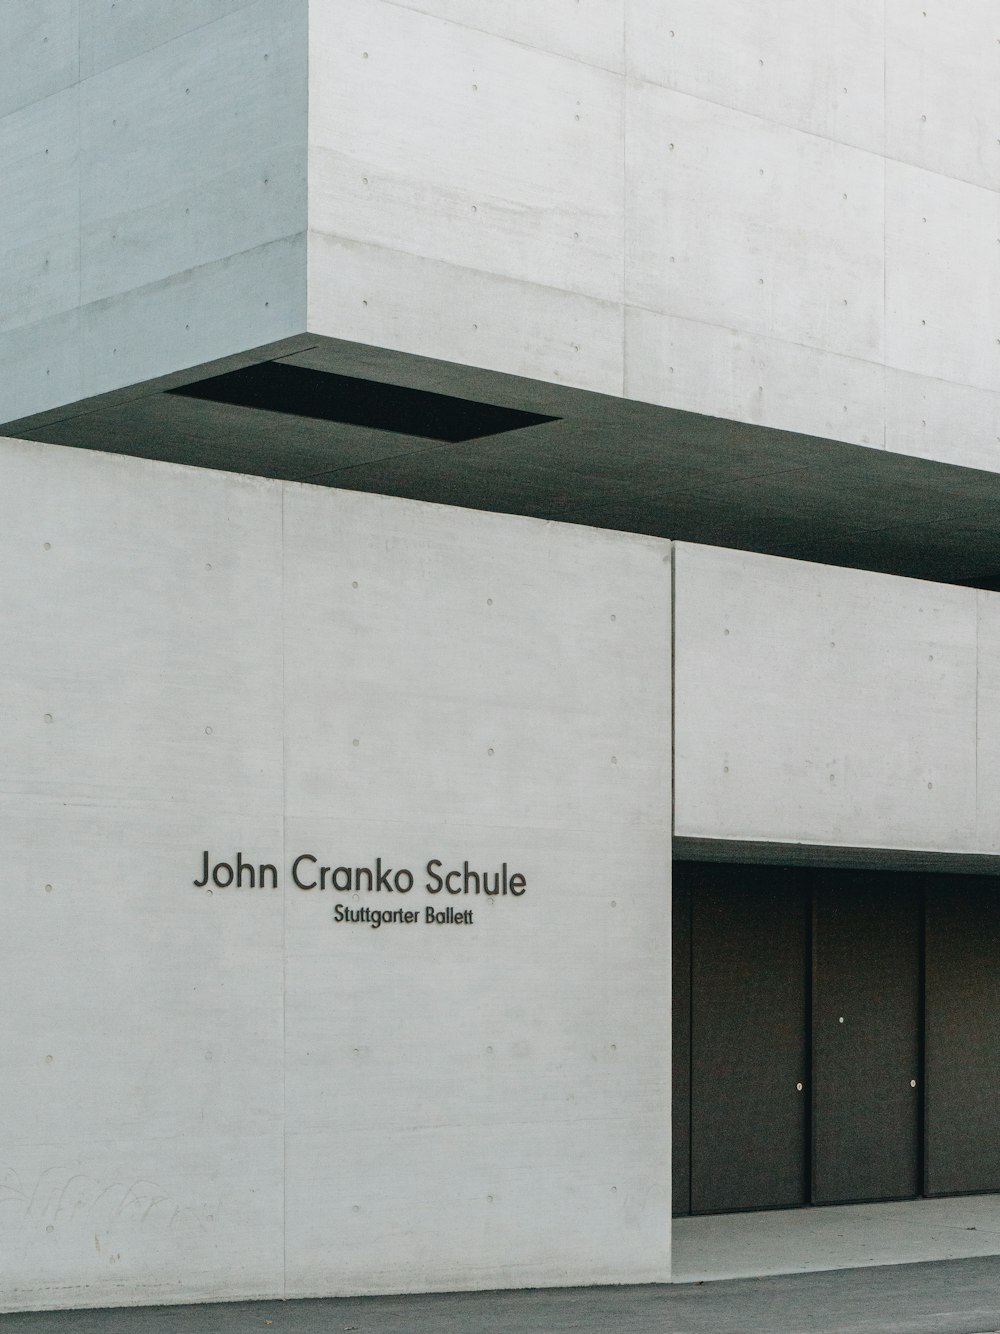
[
  {"x": 866, "y": 1019},
  {"x": 682, "y": 1046},
  {"x": 749, "y": 928},
  {"x": 963, "y": 1035}
]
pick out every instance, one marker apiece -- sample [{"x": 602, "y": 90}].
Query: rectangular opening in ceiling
[{"x": 274, "y": 386}]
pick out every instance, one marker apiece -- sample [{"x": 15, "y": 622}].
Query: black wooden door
[
  {"x": 681, "y": 1127},
  {"x": 749, "y": 929},
  {"x": 866, "y": 1036},
  {"x": 963, "y": 1034}
]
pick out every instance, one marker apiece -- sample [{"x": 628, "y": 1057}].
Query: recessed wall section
[{"x": 825, "y": 706}]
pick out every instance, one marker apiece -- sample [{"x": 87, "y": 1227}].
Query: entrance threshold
[{"x": 843, "y": 1236}]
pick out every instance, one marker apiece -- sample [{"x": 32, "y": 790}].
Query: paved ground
[
  {"x": 943, "y": 1297},
  {"x": 835, "y": 1236}
]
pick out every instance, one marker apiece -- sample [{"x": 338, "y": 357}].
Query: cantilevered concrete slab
[{"x": 601, "y": 460}]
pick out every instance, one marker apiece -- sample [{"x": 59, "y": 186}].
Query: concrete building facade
[{"x": 459, "y": 461}]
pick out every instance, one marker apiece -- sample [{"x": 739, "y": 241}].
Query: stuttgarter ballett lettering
[{"x": 309, "y": 874}]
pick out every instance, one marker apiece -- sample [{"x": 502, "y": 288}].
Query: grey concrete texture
[
  {"x": 954, "y": 1297},
  {"x": 155, "y": 204},
  {"x": 806, "y": 675},
  {"x": 454, "y": 682},
  {"x": 739, "y": 214}
]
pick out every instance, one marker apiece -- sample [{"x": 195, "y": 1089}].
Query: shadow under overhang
[
  {"x": 580, "y": 457},
  {"x": 757, "y": 852}
]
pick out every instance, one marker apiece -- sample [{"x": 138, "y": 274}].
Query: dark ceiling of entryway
[{"x": 597, "y": 460}]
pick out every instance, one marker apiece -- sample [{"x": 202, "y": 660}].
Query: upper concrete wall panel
[
  {"x": 704, "y": 367},
  {"x": 230, "y": 213},
  {"x": 112, "y": 32},
  {"x": 823, "y": 705},
  {"x": 194, "y": 150},
  {"x": 155, "y": 213},
  {"x": 935, "y": 419},
  {"x": 589, "y": 30},
  {"x": 749, "y": 225},
  {"x": 41, "y": 364},
  {"x": 812, "y": 67},
  {"x": 942, "y": 277},
  {"x": 190, "y": 318},
  {"x": 40, "y": 210},
  {"x": 368, "y": 294},
  {"x": 943, "y": 87},
  {"x": 482, "y": 152},
  {"x": 39, "y": 50}
]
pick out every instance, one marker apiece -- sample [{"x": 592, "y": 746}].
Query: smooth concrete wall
[
  {"x": 768, "y": 213},
  {"x": 154, "y": 205},
  {"x": 466, "y": 166},
  {"x": 212, "y": 1093},
  {"x": 834, "y": 707},
  {"x": 466, "y": 183}
]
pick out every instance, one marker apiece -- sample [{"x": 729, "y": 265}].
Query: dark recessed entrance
[
  {"x": 962, "y": 1104},
  {"x": 748, "y": 978},
  {"x": 865, "y": 1037},
  {"x": 816, "y": 1058}
]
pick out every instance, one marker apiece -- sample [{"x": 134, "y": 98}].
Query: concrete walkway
[
  {"x": 792, "y": 1241},
  {"x": 947, "y": 1297}
]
